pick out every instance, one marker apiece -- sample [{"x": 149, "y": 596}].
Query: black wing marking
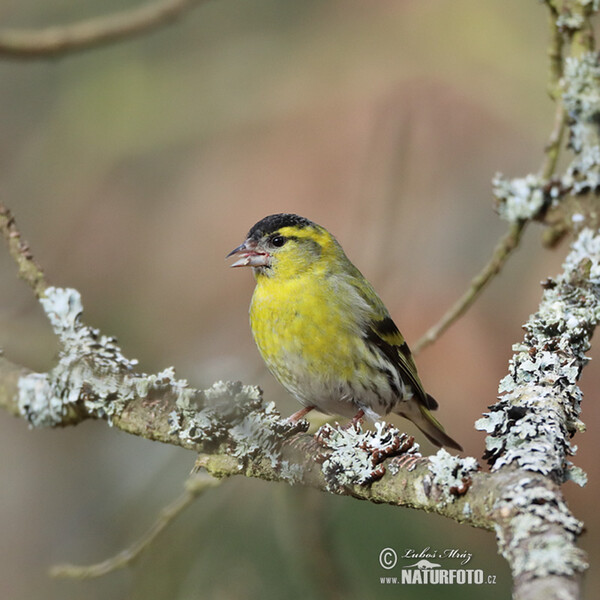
[{"x": 386, "y": 337}]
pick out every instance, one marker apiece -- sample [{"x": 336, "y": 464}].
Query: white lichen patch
[
  {"x": 583, "y": 174},
  {"x": 354, "y": 456},
  {"x": 581, "y": 96},
  {"x": 451, "y": 474},
  {"x": 576, "y": 474},
  {"x": 538, "y": 410},
  {"x": 540, "y": 518},
  {"x": 581, "y": 85},
  {"x": 236, "y": 415},
  {"x": 519, "y": 199},
  {"x": 527, "y": 198},
  {"x": 94, "y": 379},
  {"x": 570, "y": 19},
  {"x": 37, "y": 402},
  {"x": 210, "y": 418},
  {"x": 91, "y": 369}
]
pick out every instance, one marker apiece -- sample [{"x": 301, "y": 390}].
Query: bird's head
[{"x": 285, "y": 245}]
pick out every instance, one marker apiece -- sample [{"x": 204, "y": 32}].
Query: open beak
[{"x": 249, "y": 255}]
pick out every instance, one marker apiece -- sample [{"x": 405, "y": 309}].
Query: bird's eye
[{"x": 278, "y": 241}]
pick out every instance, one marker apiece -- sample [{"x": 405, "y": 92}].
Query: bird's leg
[
  {"x": 356, "y": 420},
  {"x": 299, "y": 414}
]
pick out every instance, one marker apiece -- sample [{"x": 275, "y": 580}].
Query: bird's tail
[{"x": 421, "y": 416}]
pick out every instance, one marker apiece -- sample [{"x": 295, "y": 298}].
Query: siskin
[{"x": 323, "y": 331}]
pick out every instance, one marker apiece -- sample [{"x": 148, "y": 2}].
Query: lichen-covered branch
[
  {"x": 237, "y": 432},
  {"x": 230, "y": 424},
  {"x": 539, "y": 408},
  {"x": 530, "y": 427},
  {"x": 60, "y": 40},
  {"x": 231, "y": 421},
  {"x": 568, "y": 202},
  {"x": 538, "y": 411}
]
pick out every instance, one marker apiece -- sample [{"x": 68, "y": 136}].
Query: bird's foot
[
  {"x": 409, "y": 461},
  {"x": 356, "y": 421},
  {"x": 299, "y": 414}
]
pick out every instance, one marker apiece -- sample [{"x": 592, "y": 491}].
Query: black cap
[{"x": 273, "y": 223}]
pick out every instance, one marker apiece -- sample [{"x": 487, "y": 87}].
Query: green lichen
[{"x": 576, "y": 474}]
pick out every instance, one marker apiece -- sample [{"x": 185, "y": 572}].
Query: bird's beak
[{"x": 249, "y": 254}]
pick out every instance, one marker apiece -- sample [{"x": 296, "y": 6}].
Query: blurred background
[{"x": 134, "y": 169}]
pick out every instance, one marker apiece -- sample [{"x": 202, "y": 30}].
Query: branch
[
  {"x": 57, "y": 41},
  {"x": 237, "y": 432},
  {"x": 29, "y": 270},
  {"x": 502, "y": 252},
  {"x": 195, "y": 486},
  {"x": 511, "y": 239},
  {"x": 531, "y": 426},
  {"x": 529, "y": 430}
]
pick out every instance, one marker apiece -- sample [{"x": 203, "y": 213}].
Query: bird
[{"x": 323, "y": 331}]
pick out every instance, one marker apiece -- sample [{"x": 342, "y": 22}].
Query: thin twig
[
  {"x": 196, "y": 485},
  {"x": 503, "y": 250},
  {"x": 18, "y": 248},
  {"x": 509, "y": 242},
  {"x": 63, "y": 39},
  {"x": 555, "y": 54},
  {"x": 552, "y": 148}
]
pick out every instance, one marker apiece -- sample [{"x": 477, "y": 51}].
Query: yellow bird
[{"x": 323, "y": 331}]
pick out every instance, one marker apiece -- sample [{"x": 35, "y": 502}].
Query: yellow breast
[{"x": 302, "y": 327}]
